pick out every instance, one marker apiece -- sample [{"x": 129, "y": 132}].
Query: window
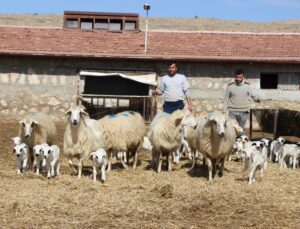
[
  {"x": 72, "y": 23},
  {"x": 115, "y": 25},
  {"x": 101, "y": 24},
  {"x": 268, "y": 81},
  {"x": 86, "y": 24},
  {"x": 130, "y": 25}
]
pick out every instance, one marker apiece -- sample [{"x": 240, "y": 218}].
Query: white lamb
[
  {"x": 292, "y": 151},
  {"x": 38, "y": 156},
  {"x": 52, "y": 163},
  {"x": 22, "y": 157},
  {"x": 254, "y": 159},
  {"x": 36, "y": 128},
  {"x": 165, "y": 135},
  {"x": 16, "y": 141},
  {"x": 99, "y": 159}
]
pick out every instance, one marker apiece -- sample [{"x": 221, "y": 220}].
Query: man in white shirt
[{"x": 174, "y": 88}]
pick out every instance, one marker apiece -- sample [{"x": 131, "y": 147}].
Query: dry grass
[
  {"x": 190, "y": 24},
  {"x": 143, "y": 198}
]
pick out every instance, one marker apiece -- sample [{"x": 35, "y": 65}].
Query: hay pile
[{"x": 143, "y": 198}]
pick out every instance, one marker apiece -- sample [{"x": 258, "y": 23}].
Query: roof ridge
[{"x": 224, "y": 32}]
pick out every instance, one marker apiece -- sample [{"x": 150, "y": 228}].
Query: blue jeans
[
  {"x": 170, "y": 107},
  {"x": 240, "y": 117}
]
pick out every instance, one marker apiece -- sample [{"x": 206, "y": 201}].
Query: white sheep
[
  {"x": 38, "y": 156},
  {"x": 52, "y": 163},
  {"x": 276, "y": 149},
  {"x": 22, "y": 157},
  {"x": 289, "y": 150},
  {"x": 16, "y": 141},
  {"x": 81, "y": 137},
  {"x": 122, "y": 132},
  {"x": 99, "y": 159},
  {"x": 36, "y": 128},
  {"x": 215, "y": 136},
  {"x": 165, "y": 134},
  {"x": 254, "y": 159}
]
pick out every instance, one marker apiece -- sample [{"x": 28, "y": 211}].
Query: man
[
  {"x": 237, "y": 97},
  {"x": 174, "y": 88}
]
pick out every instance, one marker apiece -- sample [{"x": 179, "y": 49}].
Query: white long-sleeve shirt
[{"x": 174, "y": 88}]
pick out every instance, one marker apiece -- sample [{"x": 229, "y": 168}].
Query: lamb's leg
[
  {"x": 209, "y": 165},
  {"x": 95, "y": 173},
  {"x": 103, "y": 178}
]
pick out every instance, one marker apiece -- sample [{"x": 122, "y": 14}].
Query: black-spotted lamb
[
  {"x": 36, "y": 128},
  {"x": 215, "y": 136}
]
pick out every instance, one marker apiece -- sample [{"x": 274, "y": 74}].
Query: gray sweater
[{"x": 237, "y": 97}]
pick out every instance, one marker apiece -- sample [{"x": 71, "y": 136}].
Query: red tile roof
[{"x": 193, "y": 46}]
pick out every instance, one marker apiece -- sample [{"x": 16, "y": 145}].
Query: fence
[
  {"x": 100, "y": 105},
  {"x": 279, "y": 122}
]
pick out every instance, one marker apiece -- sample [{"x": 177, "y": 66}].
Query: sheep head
[
  {"x": 75, "y": 113},
  {"x": 218, "y": 122},
  {"x": 28, "y": 125}
]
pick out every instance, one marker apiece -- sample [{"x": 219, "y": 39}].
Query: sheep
[
  {"x": 122, "y": 132},
  {"x": 292, "y": 151},
  {"x": 99, "y": 159},
  {"x": 22, "y": 157},
  {"x": 51, "y": 156},
  {"x": 38, "y": 156},
  {"x": 276, "y": 149},
  {"x": 214, "y": 137},
  {"x": 36, "y": 128},
  {"x": 254, "y": 159},
  {"x": 81, "y": 137},
  {"x": 165, "y": 135},
  {"x": 16, "y": 141}
]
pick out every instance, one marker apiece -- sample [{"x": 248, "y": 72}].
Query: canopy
[{"x": 149, "y": 79}]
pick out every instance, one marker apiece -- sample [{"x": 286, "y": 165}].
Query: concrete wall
[{"x": 51, "y": 85}]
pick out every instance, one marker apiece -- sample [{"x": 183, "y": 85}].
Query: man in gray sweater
[{"x": 237, "y": 98}]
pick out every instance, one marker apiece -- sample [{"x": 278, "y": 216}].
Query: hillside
[{"x": 191, "y": 24}]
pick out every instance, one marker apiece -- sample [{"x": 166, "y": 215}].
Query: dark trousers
[{"x": 170, "y": 107}]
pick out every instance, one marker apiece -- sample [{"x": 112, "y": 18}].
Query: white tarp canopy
[{"x": 149, "y": 79}]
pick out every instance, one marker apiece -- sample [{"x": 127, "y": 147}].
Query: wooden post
[
  {"x": 275, "y": 123},
  {"x": 251, "y": 127}
]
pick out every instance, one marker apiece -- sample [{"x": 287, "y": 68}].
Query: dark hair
[
  {"x": 239, "y": 72},
  {"x": 169, "y": 63}
]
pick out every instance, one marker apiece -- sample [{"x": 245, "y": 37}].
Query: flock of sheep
[{"x": 211, "y": 138}]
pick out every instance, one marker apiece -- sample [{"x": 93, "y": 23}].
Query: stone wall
[{"x": 51, "y": 84}]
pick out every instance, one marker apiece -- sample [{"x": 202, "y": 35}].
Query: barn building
[{"x": 100, "y": 59}]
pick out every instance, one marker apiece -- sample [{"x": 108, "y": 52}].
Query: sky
[{"x": 246, "y": 10}]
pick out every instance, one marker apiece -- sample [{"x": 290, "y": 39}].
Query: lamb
[
  {"x": 81, "y": 137},
  {"x": 292, "y": 151},
  {"x": 276, "y": 149},
  {"x": 99, "y": 159},
  {"x": 23, "y": 158},
  {"x": 36, "y": 128},
  {"x": 16, "y": 141},
  {"x": 51, "y": 156},
  {"x": 254, "y": 159},
  {"x": 215, "y": 136},
  {"x": 165, "y": 135},
  {"x": 122, "y": 132},
  {"x": 38, "y": 156}
]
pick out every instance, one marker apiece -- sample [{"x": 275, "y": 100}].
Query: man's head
[
  {"x": 239, "y": 76},
  {"x": 172, "y": 68}
]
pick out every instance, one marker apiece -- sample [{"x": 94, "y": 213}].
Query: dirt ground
[{"x": 143, "y": 198}]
